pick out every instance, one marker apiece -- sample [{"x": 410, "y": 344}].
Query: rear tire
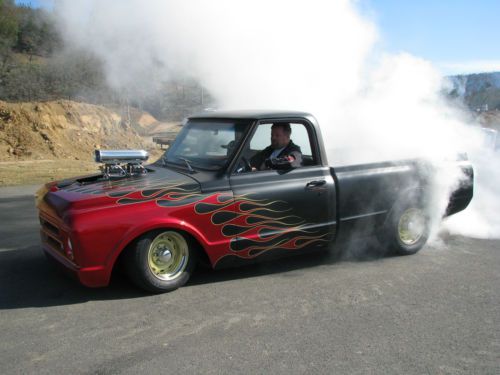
[
  {"x": 161, "y": 261},
  {"x": 407, "y": 229}
]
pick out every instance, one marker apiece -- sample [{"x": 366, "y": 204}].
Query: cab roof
[{"x": 251, "y": 114}]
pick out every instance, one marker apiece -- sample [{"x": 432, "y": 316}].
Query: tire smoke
[{"x": 319, "y": 56}]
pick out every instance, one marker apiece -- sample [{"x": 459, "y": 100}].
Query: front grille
[
  {"x": 51, "y": 235},
  {"x": 49, "y": 227},
  {"x": 53, "y": 243}
]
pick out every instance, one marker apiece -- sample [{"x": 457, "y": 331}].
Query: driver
[{"x": 281, "y": 148}]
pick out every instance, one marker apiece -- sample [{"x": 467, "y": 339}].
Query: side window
[
  {"x": 261, "y": 139},
  {"x": 300, "y": 137}
]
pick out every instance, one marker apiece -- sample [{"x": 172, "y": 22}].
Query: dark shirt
[{"x": 259, "y": 159}]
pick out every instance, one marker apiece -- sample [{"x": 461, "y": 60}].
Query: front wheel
[
  {"x": 161, "y": 261},
  {"x": 407, "y": 229}
]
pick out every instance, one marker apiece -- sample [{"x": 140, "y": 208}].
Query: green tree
[
  {"x": 8, "y": 33},
  {"x": 24, "y": 82}
]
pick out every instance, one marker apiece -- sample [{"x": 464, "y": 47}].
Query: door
[{"x": 281, "y": 211}]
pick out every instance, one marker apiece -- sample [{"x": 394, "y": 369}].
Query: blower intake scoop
[{"x": 121, "y": 163}]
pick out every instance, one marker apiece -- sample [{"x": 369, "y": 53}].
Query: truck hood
[{"x": 91, "y": 191}]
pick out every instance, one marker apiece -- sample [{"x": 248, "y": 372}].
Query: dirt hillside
[
  {"x": 61, "y": 129},
  {"x": 490, "y": 119},
  {"x": 41, "y": 141}
]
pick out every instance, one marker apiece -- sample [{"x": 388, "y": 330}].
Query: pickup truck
[{"x": 203, "y": 202}]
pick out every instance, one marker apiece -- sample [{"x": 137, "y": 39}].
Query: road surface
[{"x": 437, "y": 312}]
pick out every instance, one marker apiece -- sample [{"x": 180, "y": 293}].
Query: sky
[{"x": 457, "y": 36}]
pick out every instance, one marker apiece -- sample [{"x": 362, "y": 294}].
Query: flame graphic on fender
[
  {"x": 174, "y": 194},
  {"x": 251, "y": 226},
  {"x": 257, "y": 226}
]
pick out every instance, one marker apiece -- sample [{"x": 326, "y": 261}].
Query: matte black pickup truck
[{"x": 205, "y": 201}]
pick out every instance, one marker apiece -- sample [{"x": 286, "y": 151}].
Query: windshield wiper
[
  {"x": 191, "y": 170},
  {"x": 165, "y": 162}
]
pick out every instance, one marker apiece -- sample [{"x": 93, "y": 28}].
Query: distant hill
[
  {"x": 480, "y": 92},
  {"x": 36, "y": 65}
]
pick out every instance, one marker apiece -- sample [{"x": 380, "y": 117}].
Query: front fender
[{"x": 164, "y": 223}]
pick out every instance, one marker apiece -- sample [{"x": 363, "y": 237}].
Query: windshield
[{"x": 206, "y": 144}]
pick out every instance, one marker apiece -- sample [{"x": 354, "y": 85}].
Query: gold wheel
[
  {"x": 411, "y": 226},
  {"x": 168, "y": 255}
]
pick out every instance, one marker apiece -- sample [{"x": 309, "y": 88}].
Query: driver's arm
[{"x": 296, "y": 157}]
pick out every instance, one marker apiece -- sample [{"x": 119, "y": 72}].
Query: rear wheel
[
  {"x": 161, "y": 261},
  {"x": 407, "y": 229}
]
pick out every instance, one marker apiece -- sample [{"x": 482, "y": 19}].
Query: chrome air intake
[
  {"x": 121, "y": 163},
  {"x": 123, "y": 156}
]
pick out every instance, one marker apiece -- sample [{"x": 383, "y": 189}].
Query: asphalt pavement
[{"x": 436, "y": 312}]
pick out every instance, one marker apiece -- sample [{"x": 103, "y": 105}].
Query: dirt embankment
[
  {"x": 42, "y": 141},
  {"x": 490, "y": 119},
  {"x": 62, "y": 129}
]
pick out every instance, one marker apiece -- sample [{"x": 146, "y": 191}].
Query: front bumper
[
  {"x": 54, "y": 237},
  {"x": 89, "y": 276}
]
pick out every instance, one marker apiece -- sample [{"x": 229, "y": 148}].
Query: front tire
[
  {"x": 406, "y": 230},
  {"x": 161, "y": 261}
]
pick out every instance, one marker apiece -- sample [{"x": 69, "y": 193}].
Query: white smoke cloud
[
  {"x": 481, "y": 218},
  {"x": 248, "y": 53},
  {"x": 317, "y": 56}
]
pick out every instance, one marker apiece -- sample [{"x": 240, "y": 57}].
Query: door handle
[{"x": 315, "y": 184}]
